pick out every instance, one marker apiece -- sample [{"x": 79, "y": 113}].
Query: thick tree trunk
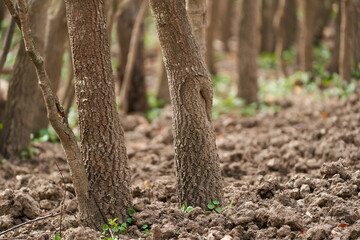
[
  {"x": 22, "y": 100},
  {"x": 306, "y": 39},
  {"x": 226, "y": 24},
  {"x": 333, "y": 66},
  {"x": 268, "y": 38},
  {"x": 102, "y": 139},
  {"x": 210, "y": 35},
  {"x": 197, "y": 13},
  {"x": 346, "y": 38},
  {"x": 197, "y": 163},
  {"x": 136, "y": 100},
  {"x": 247, "y": 52}
]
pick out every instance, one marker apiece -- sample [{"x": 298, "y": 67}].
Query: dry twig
[
  {"x": 63, "y": 201},
  {"x": 7, "y": 44}
]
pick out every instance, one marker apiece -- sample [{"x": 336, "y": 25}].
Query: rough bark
[
  {"x": 346, "y": 38},
  {"x": 268, "y": 38},
  {"x": 306, "y": 39},
  {"x": 22, "y": 102},
  {"x": 102, "y": 139},
  {"x": 197, "y": 13},
  {"x": 136, "y": 98},
  {"x": 162, "y": 85},
  {"x": 333, "y": 66},
  {"x": 247, "y": 52},
  {"x": 226, "y": 24},
  {"x": 58, "y": 119},
  {"x": 210, "y": 35},
  {"x": 197, "y": 162}
]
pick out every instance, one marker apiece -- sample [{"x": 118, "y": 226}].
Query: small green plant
[
  {"x": 45, "y": 135},
  {"x": 57, "y": 236},
  {"x": 112, "y": 230},
  {"x": 29, "y": 152},
  {"x": 145, "y": 227},
  {"x": 213, "y": 206},
  {"x": 156, "y": 107},
  {"x": 186, "y": 209},
  {"x": 3, "y": 160}
]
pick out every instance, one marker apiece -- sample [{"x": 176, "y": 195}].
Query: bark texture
[
  {"x": 268, "y": 37},
  {"x": 306, "y": 39},
  {"x": 346, "y": 39},
  {"x": 102, "y": 139},
  {"x": 197, "y": 162},
  {"x": 136, "y": 96},
  {"x": 162, "y": 85},
  {"x": 22, "y": 98},
  {"x": 197, "y": 13},
  {"x": 247, "y": 52}
]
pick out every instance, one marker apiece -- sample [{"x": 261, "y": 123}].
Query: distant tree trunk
[
  {"x": 137, "y": 101},
  {"x": 197, "y": 12},
  {"x": 268, "y": 38},
  {"x": 197, "y": 162},
  {"x": 247, "y": 52},
  {"x": 290, "y": 22},
  {"x": 356, "y": 43},
  {"x": 162, "y": 85},
  {"x": 210, "y": 35},
  {"x": 102, "y": 139},
  {"x": 333, "y": 66},
  {"x": 322, "y": 18},
  {"x": 306, "y": 39},
  {"x": 226, "y": 24},
  {"x": 346, "y": 38},
  {"x": 2, "y": 13},
  {"x": 22, "y": 99},
  {"x": 110, "y": 9}
]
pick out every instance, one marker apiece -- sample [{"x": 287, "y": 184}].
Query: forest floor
[{"x": 293, "y": 174}]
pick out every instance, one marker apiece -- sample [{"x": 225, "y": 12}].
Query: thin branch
[
  {"x": 124, "y": 105},
  {"x": 7, "y": 44},
  {"x": 12, "y": 11},
  {"x": 122, "y": 7},
  {"x": 63, "y": 201},
  {"x": 31, "y": 221}
]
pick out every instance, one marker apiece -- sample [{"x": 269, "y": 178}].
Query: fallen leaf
[
  {"x": 302, "y": 232},
  {"x": 324, "y": 115},
  {"x": 343, "y": 225}
]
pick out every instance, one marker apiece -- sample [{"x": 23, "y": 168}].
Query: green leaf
[
  {"x": 131, "y": 212},
  {"x": 183, "y": 208},
  {"x": 105, "y": 227},
  {"x": 188, "y": 209},
  {"x": 124, "y": 225},
  {"x": 116, "y": 229},
  {"x": 211, "y": 206},
  {"x": 122, "y": 229},
  {"x": 145, "y": 226},
  {"x": 207, "y": 212},
  {"x": 218, "y": 209},
  {"x": 129, "y": 220},
  {"x": 147, "y": 231},
  {"x": 57, "y": 237},
  {"x": 1, "y": 126},
  {"x": 216, "y": 202}
]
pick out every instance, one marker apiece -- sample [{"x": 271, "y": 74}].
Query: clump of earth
[{"x": 293, "y": 174}]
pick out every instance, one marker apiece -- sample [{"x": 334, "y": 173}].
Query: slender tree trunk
[
  {"x": 333, "y": 66},
  {"x": 279, "y": 25},
  {"x": 2, "y": 13},
  {"x": 21, "y": 105},
  {"x": 307, "y": 25},
  {"x": 268, "y": 38},
  {"x": 247, "y": 52},
  {"x": 290, "y": 22},
  {"x": 162, "y": 85},
  {"x": 197, "y": 162},
  {"x": 226, "y": 24},
  {"x": 102, "y": 139},
  {"x": 136, "y": 96},
  {"x": 356, "y": 43},
  {"x": 197, "y": 13},
  {"x": 210, "y": 35},
  {"x": 346, "y": 38},
  {"x": 110, "y": 9}
]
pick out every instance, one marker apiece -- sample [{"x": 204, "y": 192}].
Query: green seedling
[
  {"x": 213, "y": 206},
  {"x": 186, "y": 209},
  {"x": 57, "y": 236},
  {"x": 145, "y": 227}
]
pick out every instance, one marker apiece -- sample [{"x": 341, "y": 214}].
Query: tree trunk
[
  {"x": 307, "y": 25},
  {"x": 197, "y": 13},
  {"x": 137, "y": 101},
  {"x": 162, "y": 85},
  {"x": 322, "y": 19},
  {"x": 102, "y": 139},
  {"x": 346, "y": 38},
  {"x": 2, "y": 13},
  {"x": 333, "y": 66},
  {"x": 22, "y": 98},
  {"x": 247, "y": 52},
  {"x": 356, "y": 43},
  {"x": 226, "y": 24},
  {"x": 210, "y": 35},
  {"x": 268, "y": 38},
  {"x": 197, "y": 163},
  {"x": 290, "y": 23}
]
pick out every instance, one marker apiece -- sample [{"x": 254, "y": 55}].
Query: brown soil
[{"x": 294, "y": 174}]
